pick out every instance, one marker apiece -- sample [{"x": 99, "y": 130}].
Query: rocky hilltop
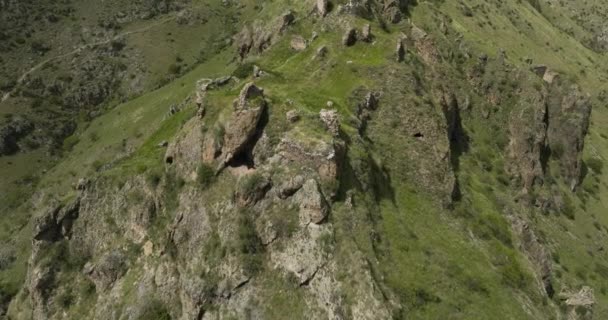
[{"x": 329, "y": 160}]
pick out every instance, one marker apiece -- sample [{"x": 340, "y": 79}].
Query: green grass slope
[{"x": 437, "y": 263}]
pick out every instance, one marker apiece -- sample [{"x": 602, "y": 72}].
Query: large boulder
[
  {"x": 285, "y": 20},
  {"x": 243, "y": 125},
  {"x": 350, "y": 37},
  {"x": 394, "y": 10},
  {"x": 313, "y": 206},
  {"x": 331, "y": 120},
  {"x": 298, "y": 43},
  {"x": 322, "y": 7},
  {"x": 253, "y": 39}
]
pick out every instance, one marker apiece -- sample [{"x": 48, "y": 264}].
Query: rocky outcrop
[
  {"x": 254, "y": 39},
  {"x": 400, "y": 51},
  {"x": 188, "y": 148},
  {"x": 251, "y": 189},
  {"x": 569, "y": 111},
  {"x": 298, "y": 43},
  {"x": 350, "y": 37},
  {"x": 292, "y": 116},
  {"x": 365, "y": 109},
  {"x": 547, "y": 125},
  {"x": 56, "y": 223},
  {"x": 313, "y": 206},
  {"x": 321, "y": 53},
  {"x": 291, "y": 186},
  {"x": 325, "y": 157},
  {"x": 107, "y": 270},
  {"x": 322, "y": 6},
  {"x": 243, "y": 125},
  {"x": 366, "y": 33},
  {"x": 528, "y": 132},
  {"x": 285, "y": 20},
  {"x": 535, "y": 251},
  {"x": 580, "y": 304},
  {"x": 394, "y": 10},
  {"x": 331, "y": 121},
  {"x": 49, "y": 228}
]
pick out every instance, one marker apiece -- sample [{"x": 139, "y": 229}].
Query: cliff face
[{"x": 310, "y": 170}]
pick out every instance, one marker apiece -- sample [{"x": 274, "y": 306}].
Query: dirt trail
[{"x": 83, "y": 47}]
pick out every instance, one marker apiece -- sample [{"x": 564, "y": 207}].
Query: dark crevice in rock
[
  {"x": 458, "y": 139},
  {"x": 57, "y": 223},
  {"x": 545, "y": 152},
  {"x": 307, "y": 281}
]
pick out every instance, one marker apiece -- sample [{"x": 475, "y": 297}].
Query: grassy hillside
[{"x": 429, "y": 260}]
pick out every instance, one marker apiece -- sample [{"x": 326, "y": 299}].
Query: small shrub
[
  {"x": 557, "y": 151},
  {"x": 568, "y": 208},
  {"x": 153, "y": 178},
  {"x": 244, "y": 70},
  {"x": 475, "y": 285},
  {"x": 556, "y": 257},
  {"x": 248, "y": 184},
  {"x": 423, "y": 297},
  {"x": 175, "y": 68},
  {"x": 97, "y": 164},
  {"x": 93, "y": 136},
  {"x": 597, "y": 165},
  {"x": 204, "y": 175},
  {"x": 218, "y": 135},
  {"x": 70, "y": 142}
]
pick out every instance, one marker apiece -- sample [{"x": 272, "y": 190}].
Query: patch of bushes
[
  {"x": 156, "y": 310},
  {"x": 244, "y": 70},
  {"x": 249, "y": 244},
  {"x": 93, "y": 136},
  {"x": 205, "y": 175},
  {"x": 65, "y": 298},
  {"x": 421, "y": 297},
  {"x": 248, "y": 184}
]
